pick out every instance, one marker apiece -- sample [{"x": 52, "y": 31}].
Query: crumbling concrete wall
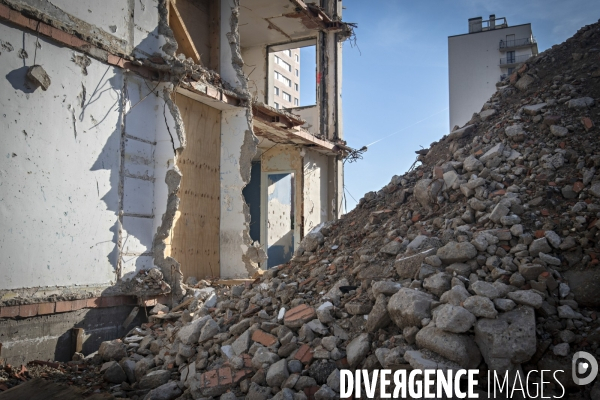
[
  {"x": 238, "y": 147},
  {"x": 84, "y": 181},
  {"x": 315, "y": 189},
  {"x": 255, "y": 68},
  {"x": 49, "y": 337}
]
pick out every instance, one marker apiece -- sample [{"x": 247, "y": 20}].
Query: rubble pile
[
  {"x": 145, "y": 282},
  {"x": 485, "y": 256}
]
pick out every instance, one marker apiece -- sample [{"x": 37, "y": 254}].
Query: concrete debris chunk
[{"x": 38, "y": 76}]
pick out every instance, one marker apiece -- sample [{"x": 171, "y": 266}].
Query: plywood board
[
  {"x": 195, "y": 237},
  {"x": 182, "y": 35}
]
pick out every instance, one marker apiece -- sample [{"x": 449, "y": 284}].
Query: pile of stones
[{"x": 485, "y": 256}]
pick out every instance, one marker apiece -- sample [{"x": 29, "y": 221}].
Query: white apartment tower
[
  {"x": 286, "y": 78},
  {"x": 479, "y": 59}
]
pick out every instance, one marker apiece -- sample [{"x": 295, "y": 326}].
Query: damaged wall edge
[{"x": 235, "y": 236}]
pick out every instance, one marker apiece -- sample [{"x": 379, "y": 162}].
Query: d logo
[{"x": 584, "y": 363}]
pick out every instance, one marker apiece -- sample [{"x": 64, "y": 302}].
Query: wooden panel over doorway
[{"x": 195, "y": 236}]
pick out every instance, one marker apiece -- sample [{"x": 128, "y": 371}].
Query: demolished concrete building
[{"x": 142, "y": 148}]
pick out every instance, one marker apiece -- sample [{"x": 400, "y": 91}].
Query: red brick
[
  {"x": 242, "y": 374},
  {"x": 4, "y": 11},
  {"x": 9, "y": 312},
  {"x": 76, "y": 42},
  {"x": 539, "y": 234},
  {"x": 28, "y": 310},
  {"x": 310, "y": 392},
  {"x": 587, "y": 123},
  {"x": 61, "y": 36},
  {"x": 63, "y": 306},
  {"x": 578, "y": 187},
  {"x": 522, "y": 70},
  {"x": 210, "y": 378},
  {"x": 225, "y": 377},
  {"x": 78, "y": 304},
  {"x": 46, "y": 308},
  {"x": 19, "y": 18},
  {"x": 299, "y": 315},
  {"x": 252, "y": 309},
  {"x": 94, "y": 302},
  {"x": 45, "y": 29},
  {"x": 304, "y": 354},
  {"x": 306, "y": 282},
  {"x": 110, "y": 301},
  {"x": 266, "y": 339},
  {"x": 247, "y": 358},
  {"x": 116, "y": 60},
  {"x": 342, "y": 363}
]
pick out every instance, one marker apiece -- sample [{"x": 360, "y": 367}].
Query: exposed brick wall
[{"x": 31, "y": 310}]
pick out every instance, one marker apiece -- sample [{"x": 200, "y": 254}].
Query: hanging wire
[{"x": 37, "y": 42}]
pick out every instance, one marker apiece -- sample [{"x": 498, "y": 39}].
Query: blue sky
[{"x": 400, "y": 74}]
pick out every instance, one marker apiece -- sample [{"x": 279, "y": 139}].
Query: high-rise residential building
[
  {"x": 477, "y": 60},
  {"x": 286, "y": 78}
]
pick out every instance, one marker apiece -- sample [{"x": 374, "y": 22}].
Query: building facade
[
  {"x": 286, "y": 75},
  {"x": 141, "y": 136},
  {"x": 479, "y": 59}
]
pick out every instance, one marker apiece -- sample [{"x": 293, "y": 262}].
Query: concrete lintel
[
  {"x": 209, "y": 95},
  {"x": 293, "y": 136},
  {"x": 268, "y": 113}
]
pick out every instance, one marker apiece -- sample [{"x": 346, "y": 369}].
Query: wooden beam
[
  {"x": 131, "y": 317},
  {"x": 77, "y": 339},
  {"x": 182, "y": 36}
]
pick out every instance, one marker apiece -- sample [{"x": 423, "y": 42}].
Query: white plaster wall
[
  {"x": 473, "y": 69},
  {"x": 315, "y": 189},
  {"x": 112, "y": 16},
  {"x": 146, "y": 40},
  {"x": 227, "y": 71},
  {"x": 234, "y": 125},
  {"x": 148, "y": 155},
  {"x": 59, "y": 168},
  {"x": 255, "y": 68},
  {"x": 61, "y": 165},
  {"x": 311, "y": 116}
]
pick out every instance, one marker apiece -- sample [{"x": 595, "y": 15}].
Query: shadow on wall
[
  {"x": 109, "y": 157},
  {"x": 17, "y": 78}
]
